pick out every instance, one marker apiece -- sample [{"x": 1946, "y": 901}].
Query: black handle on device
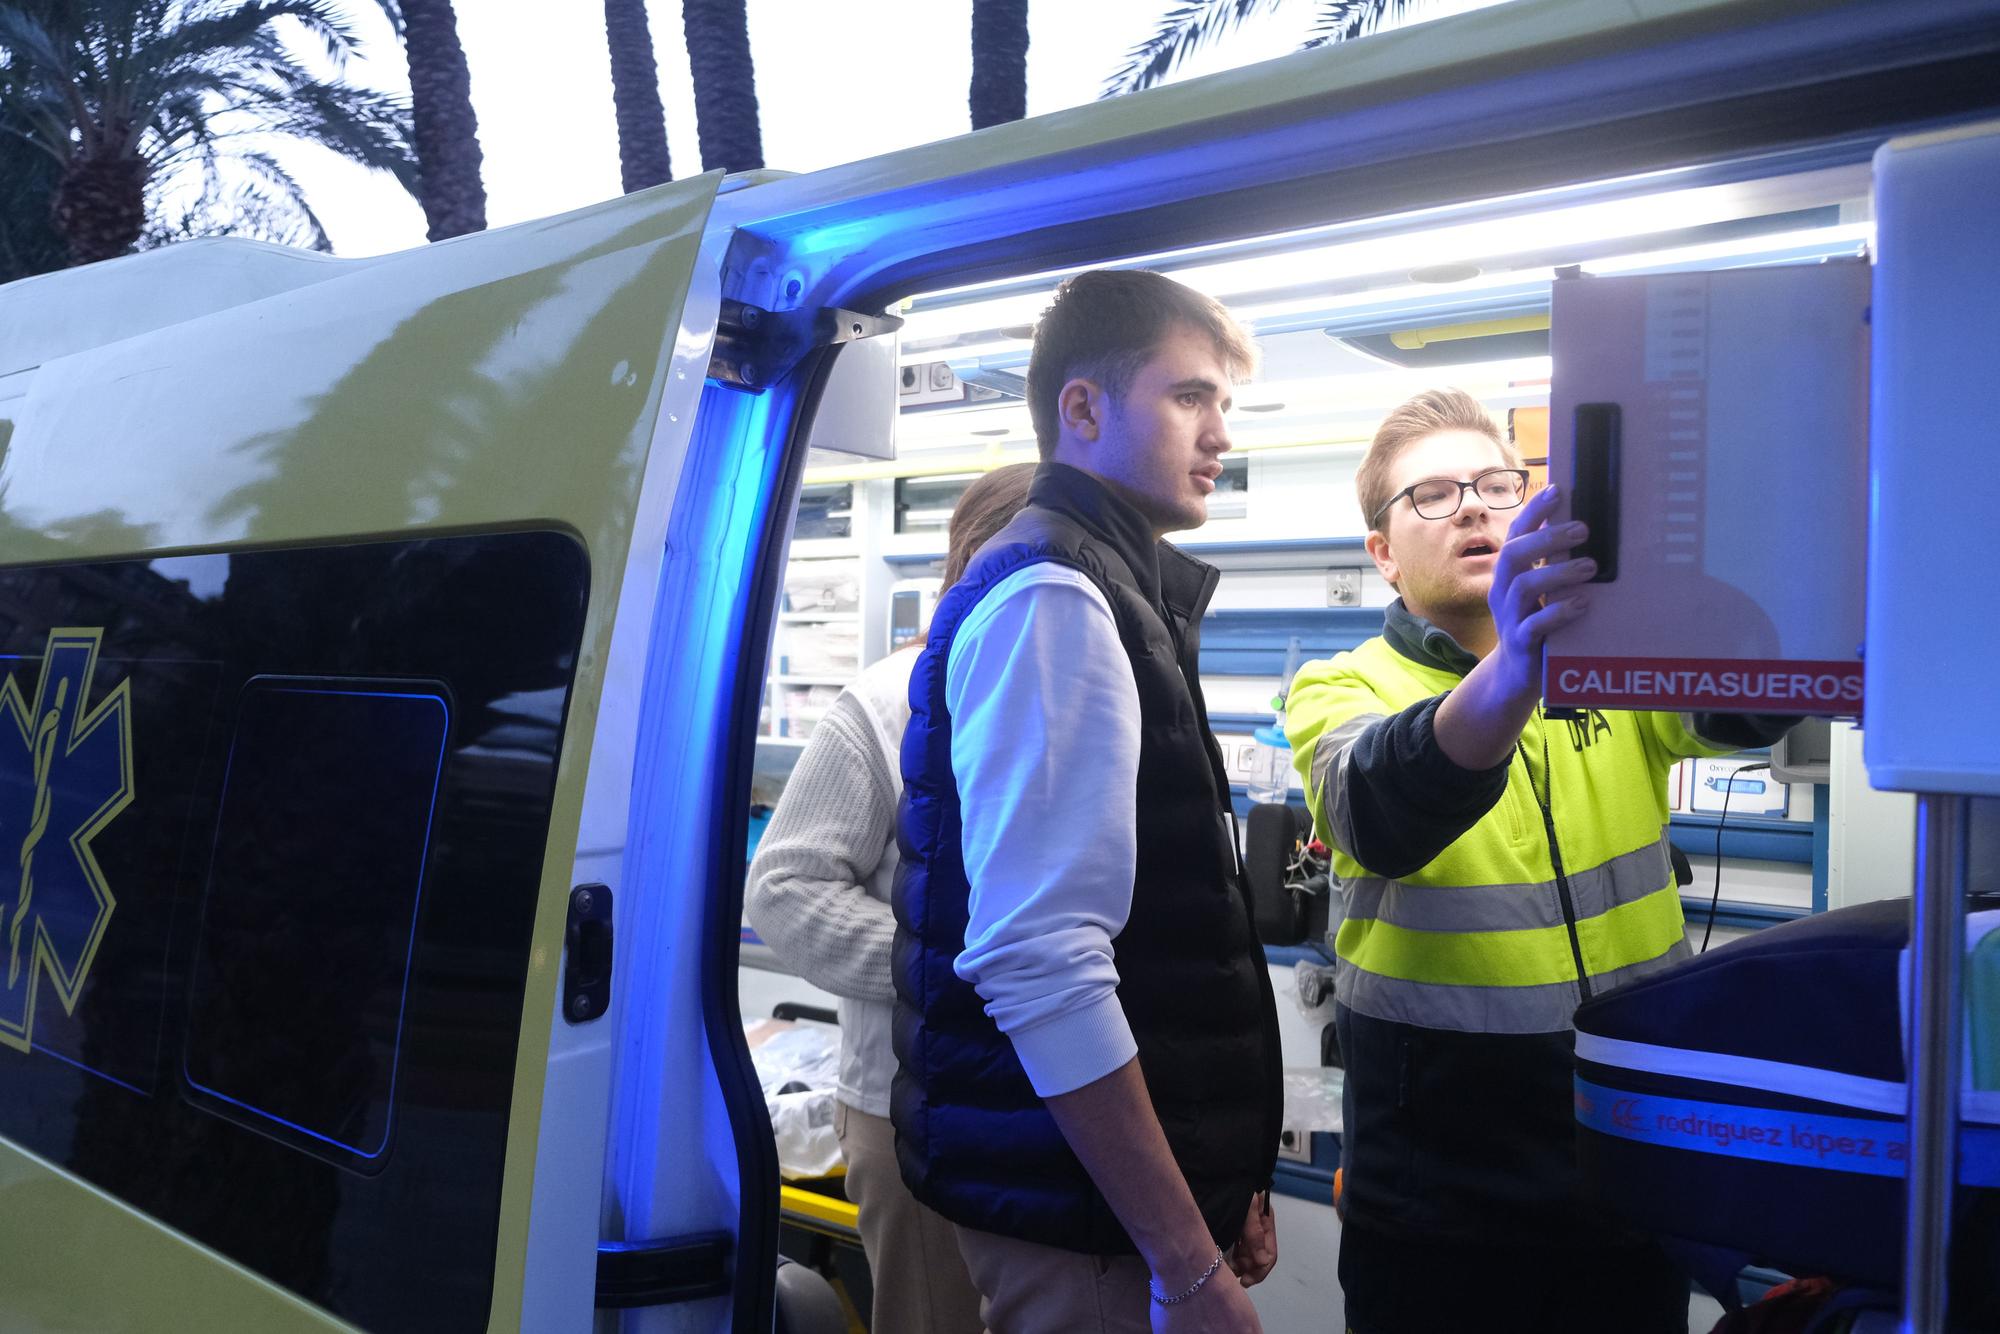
[{"x": 1594, "y": 497}]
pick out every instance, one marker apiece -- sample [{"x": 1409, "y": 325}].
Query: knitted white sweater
[{"x": 819, "y": 887}]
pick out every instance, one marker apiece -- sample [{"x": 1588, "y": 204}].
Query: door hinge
[{"x": 756, "y": 348}]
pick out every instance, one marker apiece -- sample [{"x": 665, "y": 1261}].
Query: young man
[
  {"x": 1498, "y": 866},
  {"x": 818, "y": 893},
  {"x": 1090, "y": 1085}
]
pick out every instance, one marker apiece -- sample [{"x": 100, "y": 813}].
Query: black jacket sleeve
[
  {"x": 1743, "y": 731},
  {"x": 1397, "y": 800}
]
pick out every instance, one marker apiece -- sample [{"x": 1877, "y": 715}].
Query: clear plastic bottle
[
  {"x": 1270, "y": 777},
  {"x": 1271, "y": 763}
]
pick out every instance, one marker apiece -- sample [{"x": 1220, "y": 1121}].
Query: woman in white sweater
[{"x": 819, "y": 896}]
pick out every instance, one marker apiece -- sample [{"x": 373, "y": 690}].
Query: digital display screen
[{"x": 906, "y": 613}]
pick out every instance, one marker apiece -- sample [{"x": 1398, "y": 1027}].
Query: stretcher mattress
[{"x": 1751, "y": 1099}]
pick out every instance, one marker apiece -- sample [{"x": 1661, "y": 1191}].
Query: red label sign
[{"x": 1729, "y": 685}]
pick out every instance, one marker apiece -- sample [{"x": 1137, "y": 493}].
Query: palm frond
[
  {"x": 1185, "y": 29},
  {"x": 242, "y": 43},
  {"x": 254, "y": 196},
  {"x": 33, "y": 53},
  {"x": 362, "y": 125},
  {"x": 209, "y": 27},
  {"x": 1345, "y": 20}
]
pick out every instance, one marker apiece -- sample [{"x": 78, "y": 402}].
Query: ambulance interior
[{"x": 1350, "y": 319}]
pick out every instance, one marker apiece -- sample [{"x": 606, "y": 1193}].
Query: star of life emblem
[{"x": 65, "y": 773}]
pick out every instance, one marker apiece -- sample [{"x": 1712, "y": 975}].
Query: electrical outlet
[
  {"x": 1343, "y": 588},
  {"x": 1295, "y": 1144},
  {"x": 1238, "y": 759},
  {"x": 929, "y": 382}
]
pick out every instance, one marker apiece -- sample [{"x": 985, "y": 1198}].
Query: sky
[{"x": 837, "y": 81}]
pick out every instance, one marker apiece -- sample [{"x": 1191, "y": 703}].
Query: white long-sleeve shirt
[{"x": 1045, "y": 749}]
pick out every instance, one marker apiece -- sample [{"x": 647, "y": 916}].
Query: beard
[{"x": 1442, "y": 594}]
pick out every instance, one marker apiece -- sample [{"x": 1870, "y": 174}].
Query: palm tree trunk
[
  {"x": 999, "y": 61},
  {"x": 447, "y": 131},
  {"x": 100, "y": 205},
  {"x": 725, "y": 84},
  {"x": 635, "y": 91}
]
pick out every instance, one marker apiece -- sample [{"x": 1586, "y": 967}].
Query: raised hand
[{"x": 1536, "y": 587}]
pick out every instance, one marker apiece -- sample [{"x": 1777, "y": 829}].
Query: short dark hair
[{"x": 1104, "y": 325}]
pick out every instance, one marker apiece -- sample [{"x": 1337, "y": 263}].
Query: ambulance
[{"x": 387, "y": 641}]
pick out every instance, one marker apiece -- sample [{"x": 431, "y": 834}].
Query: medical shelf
[{"x": 1751, "y": 837}]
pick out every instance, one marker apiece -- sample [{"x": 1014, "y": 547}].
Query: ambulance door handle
[
  {"x": 1594, "y": 492},
  {"x": 587, "y": 954}
]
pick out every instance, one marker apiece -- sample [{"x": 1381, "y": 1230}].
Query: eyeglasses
[{"x": 1440, "y": 497}]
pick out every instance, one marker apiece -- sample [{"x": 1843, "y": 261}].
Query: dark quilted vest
[{"x": 974, "y": 1141}]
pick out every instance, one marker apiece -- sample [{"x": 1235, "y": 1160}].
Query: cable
[
  {"x": 1306, "y": 876},
  {"x": 1728, "y": 786}
]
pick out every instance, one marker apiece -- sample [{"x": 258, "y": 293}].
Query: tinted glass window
[
  {"x": 310, "y": 910},
  {"x": 274, "y": 827}
]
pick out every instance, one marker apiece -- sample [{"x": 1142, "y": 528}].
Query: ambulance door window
[
  {"x": 301, "y": 968},
  {"x": 283, "y": 816}
]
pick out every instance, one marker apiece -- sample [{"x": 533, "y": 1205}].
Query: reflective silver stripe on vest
[
  {"x": 1540, "y": 1009},
  {"x": 1329, "y": 776},
  {"x": 1625, "y": 879}
]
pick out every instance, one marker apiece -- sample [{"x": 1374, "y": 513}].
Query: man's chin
[{"x": 1460, "y": 597}]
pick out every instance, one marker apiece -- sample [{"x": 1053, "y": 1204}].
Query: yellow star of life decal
[{"x": 67, "y": 778}]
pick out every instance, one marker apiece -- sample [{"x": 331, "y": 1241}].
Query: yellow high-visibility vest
[{"x": 1480, "y": 939}]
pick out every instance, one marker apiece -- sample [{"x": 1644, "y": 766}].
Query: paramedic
[
  {"x": 819, "y": 896},
  {"x": 1090, "y": 1083},
  {"x": 1497, "y": 865}
]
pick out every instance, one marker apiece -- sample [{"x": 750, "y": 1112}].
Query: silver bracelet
[{"x": 1206, "y": 1275}]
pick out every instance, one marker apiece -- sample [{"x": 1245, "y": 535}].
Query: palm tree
[
  {"x": 999, "y": 61},
  {"x": 29, "y": 242},
  {"x": 159, "y": 115},
  {"x": 635, "y": 91},
  {"x": 1195, "y": 23},
  {"x": 725, "y": 84},
  {"x": 447, "y": 130}
]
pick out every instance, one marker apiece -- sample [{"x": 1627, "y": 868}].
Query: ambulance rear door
[{"x": 326, "y": 591}]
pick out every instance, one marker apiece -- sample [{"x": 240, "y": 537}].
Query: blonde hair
[
  {"x": 1424, "y": 416},
  {"x": 1105, "y": 325}
]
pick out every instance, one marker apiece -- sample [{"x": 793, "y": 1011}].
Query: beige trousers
[
  {"x": 920, "y": 1282},
  {"x": 1031, "y": 1289}
]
